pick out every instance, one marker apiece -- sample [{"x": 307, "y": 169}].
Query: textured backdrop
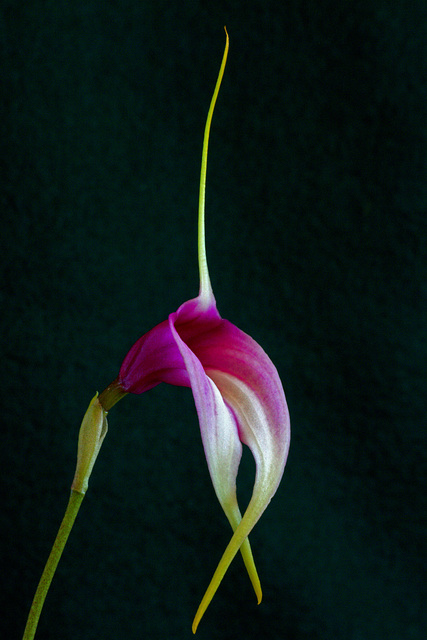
[{"x": 316, "y": 232}]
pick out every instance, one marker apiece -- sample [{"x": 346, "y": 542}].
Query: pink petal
[
  {"x": 238, "y": 397},
  {"x": 154, "y": 358}
]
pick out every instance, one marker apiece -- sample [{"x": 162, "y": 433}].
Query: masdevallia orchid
[{"x": 237, "y": 392}]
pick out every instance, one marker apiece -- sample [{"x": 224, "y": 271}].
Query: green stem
[
  {"x": 111, "y": 395},
  {"x": 50, "y": 568}
]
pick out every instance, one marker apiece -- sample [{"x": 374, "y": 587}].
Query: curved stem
[
  {"x": 91, "y": 435},
  {"x": 205, "y": 293},
  {"x": 51, "y": 564}
]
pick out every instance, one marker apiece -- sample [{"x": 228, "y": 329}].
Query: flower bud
[{"x": 92, "y": 433}]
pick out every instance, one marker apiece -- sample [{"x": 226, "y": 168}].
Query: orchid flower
[{"x": 237, "y": 393}]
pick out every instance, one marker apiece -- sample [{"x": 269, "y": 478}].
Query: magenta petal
[
  {"x": 231, "y": 351},
  {"x": 238, "y": 397},
  {"x": 154, "y": 358},
  {"x": 192, "y": 348}
]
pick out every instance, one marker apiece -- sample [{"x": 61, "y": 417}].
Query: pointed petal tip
[
  {"x": 248, "y": 559},
  {"x": 209, "y": 595},
  {"x": 258, "y": 593}
]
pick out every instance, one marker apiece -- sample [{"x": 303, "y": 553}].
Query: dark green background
[{"x": 316, "y": 231}]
